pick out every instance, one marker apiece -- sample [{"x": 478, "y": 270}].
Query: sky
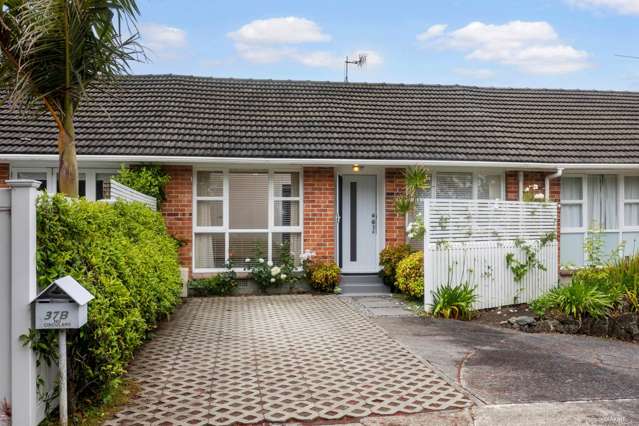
[{"x": 499, "y": 43}]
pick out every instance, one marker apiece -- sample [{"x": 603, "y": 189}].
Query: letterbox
[{"x": 63, "y": 304}]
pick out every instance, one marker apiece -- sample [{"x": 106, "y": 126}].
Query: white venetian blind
[{"x": 455, "y": 186}]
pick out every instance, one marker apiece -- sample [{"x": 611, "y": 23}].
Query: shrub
[
  {"x": 124, "y": 256},
  {"x": 410, "y": 275},
  {"x": 324, "y": 276},
  {"x": 577, "y": 299},
  {"x": 389, "y": 258},
  {"x": 454, "y": 302},
  {"x": 149, "y": 180},
  {"x": 221, "y": 284},
  {"x": 267, "y": 274}
]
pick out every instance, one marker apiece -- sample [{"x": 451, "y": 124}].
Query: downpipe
[{"x": 555, "y": 175}]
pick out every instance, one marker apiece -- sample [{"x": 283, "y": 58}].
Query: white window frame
[
  {"x": 624, "y": 201},
  {"x": 584, "y": 226},
  {"x": 475, "y": 186},
  {"x": 225, "y": 228},
  {"x": 52, "y": 177}
]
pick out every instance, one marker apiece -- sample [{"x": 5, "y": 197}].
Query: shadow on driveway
[{"x": 501, "y": 366}]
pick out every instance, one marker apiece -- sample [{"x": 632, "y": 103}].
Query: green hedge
[{"x": 124, "y": 256}]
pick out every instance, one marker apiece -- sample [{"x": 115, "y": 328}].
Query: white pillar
[{"x": 24, "y": 400}]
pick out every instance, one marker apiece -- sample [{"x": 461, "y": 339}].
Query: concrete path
[{"x": 246, "y": 360}]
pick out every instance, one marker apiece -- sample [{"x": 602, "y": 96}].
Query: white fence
[
  {"x": 114, "y": 190},
  {"x": 469, "y": 241},
  {"x": 18, "y": 288}
]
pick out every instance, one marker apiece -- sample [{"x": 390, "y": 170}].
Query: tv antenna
[
  {"x": 627, "y": 56},
  {"x": 360, "y": 62}
]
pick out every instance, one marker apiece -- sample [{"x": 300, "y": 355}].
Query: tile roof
[{"x": 167, "y": 115}]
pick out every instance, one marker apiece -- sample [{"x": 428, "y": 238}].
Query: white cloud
[
  {"x": 475, "y": 73},
  {"x": 273, "y": 40},
  {"x": 289, "y": 30},
  {"x": 163, "y": 41},
  {"x": 624, "y": 7},
  {"x": 531, "y": 47},
  {"x": 432, "y": 32}
]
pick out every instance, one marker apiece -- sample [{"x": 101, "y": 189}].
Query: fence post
[
  {"x": 428, "y": 262},
  {"x": 24, "y": 400}
]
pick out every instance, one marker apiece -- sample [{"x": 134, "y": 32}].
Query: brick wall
[
  {"x": 178, "y": 209},
  {"x": 319, "y": 211},
  {"x": 394, "y": 186},
  {"x": 4, "y": 175}
]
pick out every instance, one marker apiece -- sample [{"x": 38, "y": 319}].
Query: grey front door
[{"x": 359, "y": 223}]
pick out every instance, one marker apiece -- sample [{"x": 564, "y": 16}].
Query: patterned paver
[{"x": 231, "y": 360}]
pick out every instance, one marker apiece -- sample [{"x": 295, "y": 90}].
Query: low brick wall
[{"x": 394, "y": 187}]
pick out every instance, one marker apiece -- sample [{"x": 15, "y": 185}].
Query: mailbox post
[{"x": 61, "y": 306}]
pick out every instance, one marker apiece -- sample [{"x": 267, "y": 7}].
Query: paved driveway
[{"x": 276, "y": 359}]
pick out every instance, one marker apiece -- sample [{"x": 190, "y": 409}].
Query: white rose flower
[
  {"x": 283, "y": 276},
  {"x": 275, "y": 270},
  {"x": 272, "y": 280},
  {"x": 539, "y": 196},
  {"x": 526, "y": 189},
  {"x": 260, "y": 260},
  {"x": 535, "y": 187},
  {"x": 269, "y": 263},
  {"x": 247, "y": 260}
]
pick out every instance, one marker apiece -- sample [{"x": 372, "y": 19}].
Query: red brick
[
  {"x": 178, "y": 209},
  {"x": 4, "y": 175},
  {"x": 395, "y": 225},
  {"x": 319, "y": 211}
]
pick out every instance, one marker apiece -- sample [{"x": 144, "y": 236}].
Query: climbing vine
[{"x": 531, "y": 261}]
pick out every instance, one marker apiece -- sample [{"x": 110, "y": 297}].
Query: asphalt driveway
[{"x": 247, "y": 360}]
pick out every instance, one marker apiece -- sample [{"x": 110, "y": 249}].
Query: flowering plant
[
  {"x": 416, "y": 229},
  {"x": 533, "y": 195},
  {"x": 266, "y": 274}
]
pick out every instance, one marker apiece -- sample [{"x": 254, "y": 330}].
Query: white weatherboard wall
[{"x": 468, "y": 241}]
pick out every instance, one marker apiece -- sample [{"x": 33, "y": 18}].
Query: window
[
  {"x": 240, "y": 213},
  {"x": 39, "y": 176},
  {"x": 489, "y": 187},
  {"x": 458, "y": 186},
  {"x": 602, "y": 201},
  {"x": 100, "y": 180},
  {"x": 572, "y": 202},
  {"x": 631, "y": 201}
]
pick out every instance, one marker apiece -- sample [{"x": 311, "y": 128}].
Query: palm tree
[{"x": 53, "y": 51}]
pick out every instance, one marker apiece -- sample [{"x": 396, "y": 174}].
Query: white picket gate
[{"x": 468, "y": 241}]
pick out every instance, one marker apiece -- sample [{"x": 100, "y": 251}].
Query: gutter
[
  {"x": 557, "y": 174},
  {"x": 322, "y": 161}
]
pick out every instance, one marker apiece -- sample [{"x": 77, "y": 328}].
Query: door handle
[{"x": 374, "y": 222}]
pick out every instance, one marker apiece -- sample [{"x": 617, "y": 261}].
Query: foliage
[
  {"x": 220, "y": 284},
  {"x": 530, "y": 252},
  {"x": 325, "y": 276},
  {"x": 416, "y": 229},
  {"x": 454, "y": 302},
  {"x": 53, "y": 51},
  {"x": 533, "y": 195},
  {"x": 417, "y": 179},
  {"x": 389, "y": 258},
  {"x": 267, "y": 274},
  {"x": 624, "y": 276},
  {"x": 593, "y": 246},
  {"x": 124, "y": 256},
  {"x": 410, "y": 275},
  {"x": 577, "y": 299},
  {"x": 149, "y": 180}
]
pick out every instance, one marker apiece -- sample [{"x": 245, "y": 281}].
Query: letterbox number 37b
[{"x": 56, "y": 315}]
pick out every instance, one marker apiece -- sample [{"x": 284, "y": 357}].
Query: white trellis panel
[
  {"x": 468, "y": 241},
  {"x": 118, "y": 191}
]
